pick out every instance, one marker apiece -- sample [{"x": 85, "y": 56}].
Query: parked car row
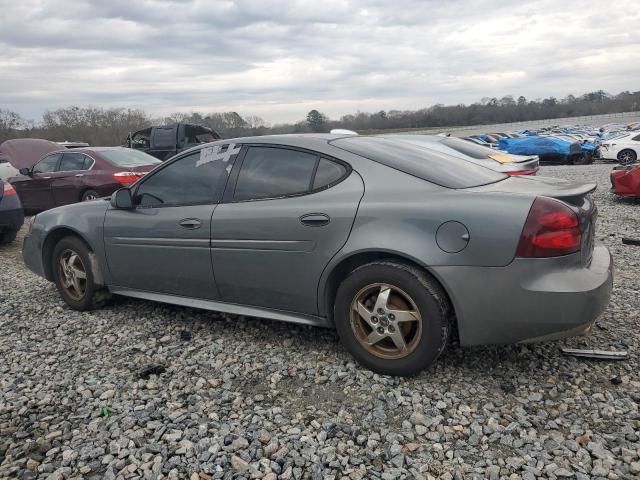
[{"x": 570, "y": 144}]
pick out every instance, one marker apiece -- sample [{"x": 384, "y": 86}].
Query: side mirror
[
  {"x": 25, "y": 171},
  {"x": 122, "y": 199}
]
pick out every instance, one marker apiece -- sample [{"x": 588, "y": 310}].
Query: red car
[
  {"x": 70, "y": 176},
  {"x": 626, "y": 180}
]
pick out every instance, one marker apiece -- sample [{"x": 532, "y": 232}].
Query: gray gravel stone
[{"x": 251, "y": 398}]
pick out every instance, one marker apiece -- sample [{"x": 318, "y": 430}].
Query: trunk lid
[{"x": 142, "y": 168}]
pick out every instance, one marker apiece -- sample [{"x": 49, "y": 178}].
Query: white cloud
[{"x": 279, "y": 58}]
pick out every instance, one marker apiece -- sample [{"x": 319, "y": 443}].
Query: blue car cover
[{"x": 535, "y": 146}]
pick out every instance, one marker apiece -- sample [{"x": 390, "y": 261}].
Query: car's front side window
[
  {"x": 196, "y": 179},
  {"x": 271, "y": 172},
  {"x": 74, "y": 161},
  {"x": 47, "y": 164}
]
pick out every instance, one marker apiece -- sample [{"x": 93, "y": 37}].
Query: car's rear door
[
  {"x": 35, "y": 190},
  {"x": 163, "y": 245},
  {"x": 67, "y": 183},
  {"x": 286, "y": 212}
]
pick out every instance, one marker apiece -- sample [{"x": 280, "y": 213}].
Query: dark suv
[{"x": 165, "y": 141}]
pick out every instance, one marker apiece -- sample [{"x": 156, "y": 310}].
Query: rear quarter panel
[{"x": 401, "y": 214}]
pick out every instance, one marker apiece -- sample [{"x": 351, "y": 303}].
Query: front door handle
[
  {"x": 191, "y": 223},
  {"x": 315, "y": 219}
]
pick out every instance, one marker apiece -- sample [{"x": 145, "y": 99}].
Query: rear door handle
[
  {"x": 191, "y": 223},
  {"x": 315, "y": 219}
]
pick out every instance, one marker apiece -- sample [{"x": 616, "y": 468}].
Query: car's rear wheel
[
  {"x": 74, "y": 276},
  {"x": 89, "y": 195},
  {"x": 627, "y": 156},
  {"x": 393, "y": 318}
]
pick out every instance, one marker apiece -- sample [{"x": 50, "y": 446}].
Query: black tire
[
  {"x": 88, "y": 195},
  {"x": 8, "y": 236},
  {"x": 582, "y": 159},
  {"x": 93, "y": 296},
  {"x": 427, "y": 295},
  {"x": 627, "y": 156}
]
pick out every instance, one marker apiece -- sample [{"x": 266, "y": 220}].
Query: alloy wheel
[
  {"x": 626, "y": 157},
  {"x": 72, "y": 274},
  {"x": 386, "y": 321}
]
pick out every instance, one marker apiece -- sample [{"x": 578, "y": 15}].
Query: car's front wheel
[
  {"x": 74, "y": 276},
  {"x": 392, "y": 317}
]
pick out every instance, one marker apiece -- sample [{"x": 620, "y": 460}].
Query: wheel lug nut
[
  {"x": 380, "y": 330},
  {"x": 392, "y": 328},
  {"x": 391, "y": 316},
  {"x": 374, "y": 319},
  {"x": 381, "y": 311}
]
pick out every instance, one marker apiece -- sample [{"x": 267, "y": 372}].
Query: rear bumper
[
  {"x": 530, "y": 299},
  {"x": 11, "y": 213}
]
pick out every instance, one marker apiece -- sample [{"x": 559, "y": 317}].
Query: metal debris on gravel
[{"x": 197, "y": 395}]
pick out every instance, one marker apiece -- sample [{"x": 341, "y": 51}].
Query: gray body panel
[
  {"x": 265, "y": 256},
  {"x": 256, "y": 258},
  {"x": 148, "y": 249}
]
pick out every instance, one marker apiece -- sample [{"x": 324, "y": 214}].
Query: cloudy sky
[{"x": 280, "y": 58}]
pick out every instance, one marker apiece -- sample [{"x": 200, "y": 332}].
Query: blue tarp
[
  {"x": 535, "y": 146},
  {"x": 588, "y": 147}
]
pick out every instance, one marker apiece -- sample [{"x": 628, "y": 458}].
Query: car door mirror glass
[
  {"x": 25, "y": 171},
  {"x": 122, "y": 199}
]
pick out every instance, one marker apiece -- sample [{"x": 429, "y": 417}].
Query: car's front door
[
  {"x": 289, "y": 213},
  {"x": 163, "y": 244},
  {"x": 67, "y": 183},
  {"x": 35, "y": 190}
]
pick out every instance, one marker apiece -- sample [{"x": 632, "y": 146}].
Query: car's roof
[
  {"x": 284, "y": 138},
  {"x": 89, "y": 150}
]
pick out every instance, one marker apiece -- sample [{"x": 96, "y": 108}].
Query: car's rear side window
[
  {"x": 328, "y": 172},
  {"x": 272, "y": 172},
  {"x": 435, "y": 167}
]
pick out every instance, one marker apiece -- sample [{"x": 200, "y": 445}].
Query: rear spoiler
[{"x": 572, "y": 191}]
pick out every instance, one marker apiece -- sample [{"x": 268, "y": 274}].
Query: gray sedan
[{"x": 394, "y": 245}]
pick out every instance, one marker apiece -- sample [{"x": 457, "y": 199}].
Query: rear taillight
[
  {"x": 8, "y": 190},
  {"x": 551, "y": 230},
  {"x": 127, "y": 178},
  {"x": 522, "y": 172}
]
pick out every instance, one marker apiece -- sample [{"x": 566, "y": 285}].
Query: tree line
[{"x": 110, "y": 126}]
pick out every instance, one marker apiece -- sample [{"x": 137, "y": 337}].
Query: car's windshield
[
  {"x": 127, "y": 157},
  {"x": 435, "y": 167}
]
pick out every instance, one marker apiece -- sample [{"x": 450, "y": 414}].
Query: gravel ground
[{"x": 144, "y": 390}]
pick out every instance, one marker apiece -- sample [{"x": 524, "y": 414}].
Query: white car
[
  {"x": 625, "y": 149},
  {"x": 6, "y": 169}
]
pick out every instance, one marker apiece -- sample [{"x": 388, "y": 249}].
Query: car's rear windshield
[
  {"x": 435, "y": 167},
  {"x": 127, "y": 157}
]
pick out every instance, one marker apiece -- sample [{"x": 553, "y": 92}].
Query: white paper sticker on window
[{"x": 215, "y": 153}]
